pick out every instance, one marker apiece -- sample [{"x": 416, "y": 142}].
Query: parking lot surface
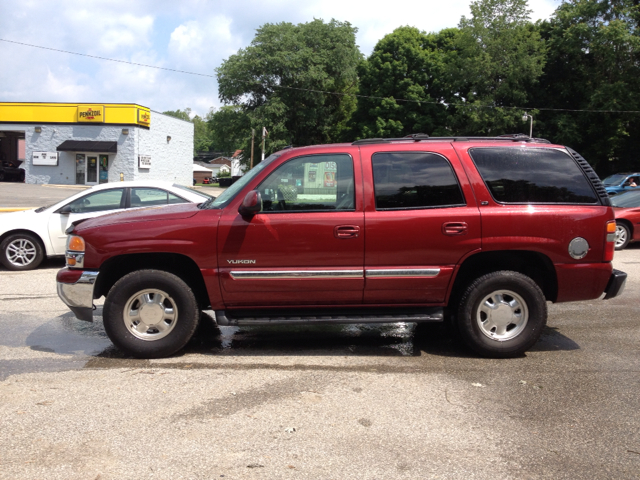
[{"x": 324, "y": 402}]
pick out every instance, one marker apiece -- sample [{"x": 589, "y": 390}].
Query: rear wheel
[
  {"x": 150, "y": 314},
  {"x": 502, "y": 314},
  {"x": 21, "y": 251},
  {"x": 623, "y": 236}
]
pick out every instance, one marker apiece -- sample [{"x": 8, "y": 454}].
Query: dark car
[{"x": 626, "y": 207}]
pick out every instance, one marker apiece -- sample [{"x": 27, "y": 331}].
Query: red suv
[{"x": 379, "y": 230}]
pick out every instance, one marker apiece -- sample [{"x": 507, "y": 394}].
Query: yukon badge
[{"x": 235, "y": 262}]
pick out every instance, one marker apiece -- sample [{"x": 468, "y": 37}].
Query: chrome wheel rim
[
  {"x": 21, "y": 252},
  {"x": 150, "y": 314},
  {"x": 621, "y": 236},
  {"x": 502, "y": 315}
]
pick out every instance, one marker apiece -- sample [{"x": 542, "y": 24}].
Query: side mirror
[
  {"x": 66, "y": 210},
  {"x": 251, "y": 204}
]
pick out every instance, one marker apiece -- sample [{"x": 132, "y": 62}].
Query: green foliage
[
  {"x": 308, "y": 58},
  {"x": 501, "y": 57},
  {"x": 406, "y": 64},
  {"x": 181, "y": 114},
  {"x": 594, "y": 64},
  {"x": 230, "y": 129},
  {"x": 224, "y": 173}
]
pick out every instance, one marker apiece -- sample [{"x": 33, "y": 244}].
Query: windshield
[
  {"x": 229, "y": 194},
  {"x": 626, "y": 200},
  {"x": 613, "y": 180},
  {"x": 205, "y": 196}
]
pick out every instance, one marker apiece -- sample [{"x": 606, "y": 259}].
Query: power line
[{"x": 373, "y": 97}]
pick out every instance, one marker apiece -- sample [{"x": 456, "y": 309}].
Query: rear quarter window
[{"x": 532, "y": 175}]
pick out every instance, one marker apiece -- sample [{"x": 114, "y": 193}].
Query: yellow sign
[
  {"x": 91, "y": 113},
  {"x": 144, "y": 117}
]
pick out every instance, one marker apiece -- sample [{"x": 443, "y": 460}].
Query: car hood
[
  {"x": 169, "y": 212},
  {"x": 12, "y": 219}
]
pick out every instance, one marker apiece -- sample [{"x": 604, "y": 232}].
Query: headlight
[{"x": 75, "y": 251}]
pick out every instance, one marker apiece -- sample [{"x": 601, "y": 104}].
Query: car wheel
[
  {"x": 623, "y": 236},
  {"x": 502, "y": 314},
  {"x": 21, "y": 251},
  {"x": 1, "y": 176},
  {"x": 150, "y": 314}
]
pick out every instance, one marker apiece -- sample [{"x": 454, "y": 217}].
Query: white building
[{"x": 88, "y": 144}]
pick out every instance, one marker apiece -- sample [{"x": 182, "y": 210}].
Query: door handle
[
  {"x": 455, "y": 228},
  {"x": 346, "y": 231}
]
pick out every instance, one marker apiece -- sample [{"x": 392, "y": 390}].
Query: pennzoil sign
[
  {"x": 91, "y": 113},
  {"x": 144, "y": 117}
]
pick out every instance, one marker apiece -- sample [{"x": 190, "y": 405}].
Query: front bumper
[
  {"x": 615, "y": 287},
  {"x": 78, "y": 296}
]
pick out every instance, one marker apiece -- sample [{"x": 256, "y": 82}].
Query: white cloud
[{"x": 192, "y": 35}]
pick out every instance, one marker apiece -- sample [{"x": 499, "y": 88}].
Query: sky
[{"x": 191, "y": 35}]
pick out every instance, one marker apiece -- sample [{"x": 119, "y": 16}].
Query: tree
[
  {"x": 279, "y": 79},
  {"x": 406, "y": 64},
  {"x": 594, "y": 64},
  {"x": 501, "y": 57},
  {"x": 230, "y": 129}
]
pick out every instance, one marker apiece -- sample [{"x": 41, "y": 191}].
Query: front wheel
[
  {"x": 21, "y": 251},
  {"x": 623, "y": 236},
  {"x": 150, "y": 314},
  {"x": 502, "y": 314}
]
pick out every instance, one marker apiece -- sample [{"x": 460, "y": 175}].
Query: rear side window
[
  {"x": 407, "y": 180},
  {"x": 532, "y": 175}
]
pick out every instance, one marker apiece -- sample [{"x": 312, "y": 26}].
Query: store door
[
  {"x": 92, "y": 170},
  {"x": 89, "y": 171}
]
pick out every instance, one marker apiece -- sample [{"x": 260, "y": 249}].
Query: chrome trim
[
  {"x": 78, "y": 295},
  {"x": 79, "y": 257},
  {"x": 402, "y": 272},
  {"x": 271, "y": 274}
]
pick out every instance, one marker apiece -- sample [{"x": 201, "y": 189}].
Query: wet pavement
[{"x": 333, "y": 401}]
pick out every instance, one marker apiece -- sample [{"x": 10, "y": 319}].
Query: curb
[
  {"x": 16, "y": 209},
  {"x": 76, "y": 187}
]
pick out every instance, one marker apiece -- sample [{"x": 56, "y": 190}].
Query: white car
[{"x": 27, "y": 236}]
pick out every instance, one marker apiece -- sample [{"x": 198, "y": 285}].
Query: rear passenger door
[{"x": 421, "y": 220}]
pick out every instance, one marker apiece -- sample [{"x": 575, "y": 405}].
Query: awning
[{"x": 88, "y": 146}]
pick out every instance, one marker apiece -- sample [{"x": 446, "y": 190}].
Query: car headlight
[{"x": 74, "y": 255}]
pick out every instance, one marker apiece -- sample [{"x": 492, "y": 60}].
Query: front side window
[
  {"x": 532, "y": 175},
  {"x": 316, "y": 182},
  {"x": 98, "y": 202},
  {"x": 151, "y": 197},
  {"x": 407, "y": 180}
]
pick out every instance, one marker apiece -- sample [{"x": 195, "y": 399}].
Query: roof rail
[{"x": 417, "y": 137}]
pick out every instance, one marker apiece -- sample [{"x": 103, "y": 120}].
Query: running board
[{"x": 231, "y": 318}]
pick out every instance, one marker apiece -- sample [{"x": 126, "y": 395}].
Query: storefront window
[
  {"x": 81, "y": 168},
  {"x": 104, "y": 169}
]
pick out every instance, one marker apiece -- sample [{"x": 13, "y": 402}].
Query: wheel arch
[
  {"x": 628, "y": 224},
  {"x": 180, "y": 265},
  {"x": 535, "y": 265},
  {"x": 30, "y": 232}
]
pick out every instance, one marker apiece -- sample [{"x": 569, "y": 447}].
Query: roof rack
[{"x": 417, "y": 137}]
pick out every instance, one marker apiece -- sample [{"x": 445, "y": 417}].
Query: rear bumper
[
  {"x": 78, "y": 295},
  {"x": 615, "y": 287}
]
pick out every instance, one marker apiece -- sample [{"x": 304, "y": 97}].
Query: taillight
[{"x": 610, "y": 245}]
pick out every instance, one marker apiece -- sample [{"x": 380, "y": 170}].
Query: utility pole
[
  {"x": 253, "y": 134},
  {"x": 264, "y": 135}
]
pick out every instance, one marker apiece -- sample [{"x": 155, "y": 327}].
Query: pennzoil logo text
[{"x": 90, "y": 114}]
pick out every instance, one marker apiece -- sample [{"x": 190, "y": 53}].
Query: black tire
[
  {"x": 1, "y": 175},
  {"x": 517, "y": 314},
  {"x": 623, "y": 236},
  {"x": 21, "y": 251},
  {"x": 145, "y": 340}
]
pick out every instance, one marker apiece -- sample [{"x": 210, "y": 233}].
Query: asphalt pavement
[{"x": 330, "y": 402}]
